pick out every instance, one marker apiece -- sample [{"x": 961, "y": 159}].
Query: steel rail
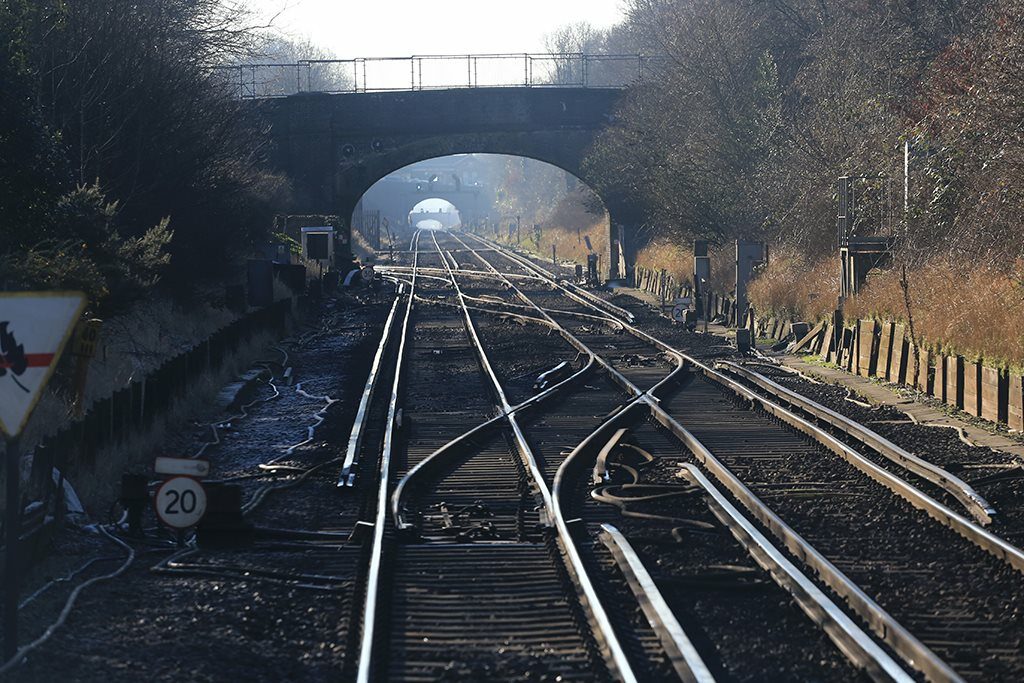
[
  {"x": 525, "y": 451},
  {"x": 601, "y": 627},
  {"x": 370, "y": 607},
  {"x": 848, "y": 637},
  {"x": 573, "y": 291},
  {"x": 398, "y": 510},
  {"x": 967, "y": 528},
  {"x": 553, "y": 311},
  {"x": 488, "y": 311},
  {"x": 616, "y": 376},
  {"x": 405, "y": 251},
  {"x": 355, "y": 442},
  {"x": 881, "y": 622},
  {"x": 975, "y": 504},
  {"x": 423, "y": 271},
  {"x": 684, "y": 657},
  {"x": 854, "y": 642},
  {"x": 885, "y": 626},
  {"x": 687, "y": 662}
]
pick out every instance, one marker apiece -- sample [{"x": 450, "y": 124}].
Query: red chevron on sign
[
  {"x": 35, "y": 360},
  {"x": 34, "y": 329}
]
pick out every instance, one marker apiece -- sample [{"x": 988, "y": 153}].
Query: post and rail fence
[
  {"x": 668, "y": 289},
  {"x": 133, "y": 409},
  {"x": 439, "y": 72}
]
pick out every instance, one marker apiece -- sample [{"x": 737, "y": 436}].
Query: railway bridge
[
  {"x": 400, "y": 196},
  {"x": 335, "y": 145}
]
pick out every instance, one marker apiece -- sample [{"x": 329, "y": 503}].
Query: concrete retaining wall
[
  {"x": 924, "y": 380},
  {"x": 900, "y": 355},
  {"x": 954, "y": 375},
  {"x": 1015, "y": 402},
  {"x": 135, "y": 408},
  {"x": 995, "y": 393},
  {"x": 884, "y": 351},
  {"x": 868, "y": 338},
  {"x": 660, "y": 283},
  {"x": 972, "y": 386},
  {"x": 883, "y": 364}
]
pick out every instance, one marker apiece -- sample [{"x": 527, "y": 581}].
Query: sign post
[
  {"x": 680, "y": 308},
  {"x": 12, "y": 517},
  {"x": 84, "y": 349},
  {"x": 34, "y": 329}
]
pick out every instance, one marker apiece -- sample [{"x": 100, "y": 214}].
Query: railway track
[
  {"x": 514, "y": 527},
  {"x": 542, "y": 484},
  {"x": 480, "y": 590},
  {"x": 948, "y": 607},
  {"x": 656, "y": 643}
]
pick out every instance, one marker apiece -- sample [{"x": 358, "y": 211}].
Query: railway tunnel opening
[
  {"x": 434, "y": 214},
  {"x": 514, "y": 199}
]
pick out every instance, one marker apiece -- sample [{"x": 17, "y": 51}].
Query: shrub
[{"x": 79, "y": 247}]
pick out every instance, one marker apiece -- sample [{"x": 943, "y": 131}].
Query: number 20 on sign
[{"x": 180, "y": 502}]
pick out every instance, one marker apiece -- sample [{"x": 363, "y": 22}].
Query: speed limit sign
[
  {"x": 682, "y": 305},
  {"x": 180, "y": 502}
]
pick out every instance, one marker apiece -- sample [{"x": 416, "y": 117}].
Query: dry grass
[
  {"x": 972, "y": 309},
  {"x": 723, "y": 268},
  {"x": 361, "y": 246},
  {"x": 135, "y": 343},
  {"x": 975, "y": 309},
  {"x": 663, "y": 254},
  {"x": 568, "y": 226},
  {"x": 677, "y": 260},
  {"x": 792, "y": 287}
]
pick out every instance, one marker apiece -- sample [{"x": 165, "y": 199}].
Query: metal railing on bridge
[{"x": 438, "y": 72}]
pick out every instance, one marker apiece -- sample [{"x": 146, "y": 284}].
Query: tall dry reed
[
  {"x": 664, "y": 254},
  {"x": 568, "y": 229},
  {"x": 791, "y": 286},
  {"x": 975, "y": 309}
]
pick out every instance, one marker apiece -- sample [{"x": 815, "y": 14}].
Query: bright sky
[{"x": 392, "y": 28}]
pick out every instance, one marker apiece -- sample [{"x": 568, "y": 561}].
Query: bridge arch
[
  {"x": 336, "y": 147},
  {"x": 473, "y": 183},
  {"x": 440, "y": 212}
]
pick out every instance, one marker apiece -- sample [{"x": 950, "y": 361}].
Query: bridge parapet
[{"x": 439, "y": 72}]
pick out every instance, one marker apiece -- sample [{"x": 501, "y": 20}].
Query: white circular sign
[
  {"x": 180, "y": 502},
  {"x": 367, "y": 273},
  {"x": 679, "y": 313}
]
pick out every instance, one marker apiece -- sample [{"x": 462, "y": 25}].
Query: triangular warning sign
[{"x": 34, "y": 328}]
